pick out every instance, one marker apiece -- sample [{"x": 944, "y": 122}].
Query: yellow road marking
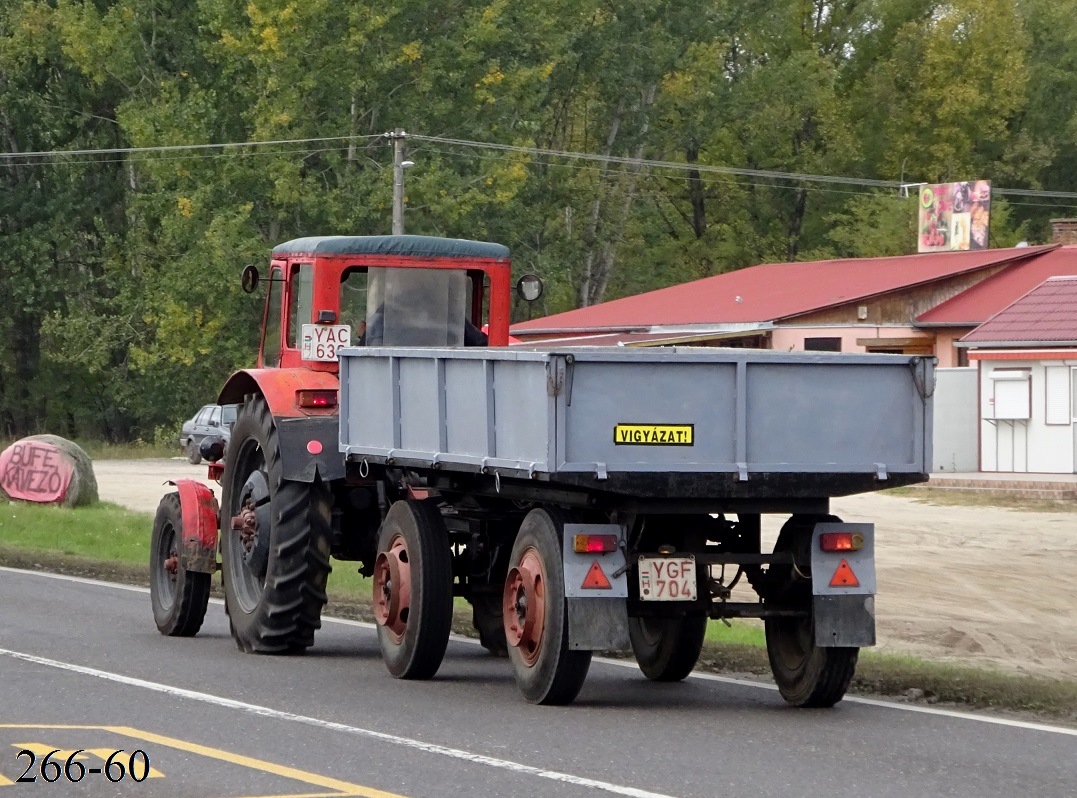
[
  {"x": 343, "y": 788},
  {"x": 304, "y": 795},
  {"x": 5, "y": 782}
]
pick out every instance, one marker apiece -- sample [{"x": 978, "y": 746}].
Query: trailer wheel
[
  {"x": 275, "y": 538},
  {"x": 194, "y": 457},
  {"x": 807, "y": 675},
  {"x": 486, "y": 617},
  {"x": 413, "y": 589},
  {"x": 536, "y": 626},
  {"x": 667, "y": 649},
  {"x": 179, "y": 597}
]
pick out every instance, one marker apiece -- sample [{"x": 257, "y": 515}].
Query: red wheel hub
[
  {"x": 524, "y": 605},
  {"x": 392, "y": 588}
]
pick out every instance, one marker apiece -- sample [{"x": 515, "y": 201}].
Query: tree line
[{"x": 120, "y": 307}]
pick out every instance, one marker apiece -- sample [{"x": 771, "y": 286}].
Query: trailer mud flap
[
  {"x": 843, "y": 584},
  {"x": 844, "y": 621},
  {"x": 198, "y": 508},
  {"x": 598, "y": 624},
  {"x": 596, "y": 587}
]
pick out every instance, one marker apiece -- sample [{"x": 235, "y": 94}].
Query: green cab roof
[{"x": 406, "y": 246}]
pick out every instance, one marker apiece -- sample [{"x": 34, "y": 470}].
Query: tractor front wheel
[
  {"x": 179, "y": 597},
  {"x": 275, "y": 538}
]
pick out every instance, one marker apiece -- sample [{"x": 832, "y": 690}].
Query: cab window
[
  {"x": 271, "y": 335},
  {"x": 353, "y": 301},
  {"x": 299, "y": 310}
]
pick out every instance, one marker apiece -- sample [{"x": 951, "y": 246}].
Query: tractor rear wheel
[
  {"x": 536, "y": 615},
  {"x": 413, "y": 589},
  {"x": 179, "y": 597},
  {"x": 807, "y": 675},
  {"x": 275, "y": 538}
]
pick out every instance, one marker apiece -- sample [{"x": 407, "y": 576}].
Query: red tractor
[{"x": 287, "y": 504}]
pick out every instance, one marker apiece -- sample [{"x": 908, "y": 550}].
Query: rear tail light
[
  {"x": 841, "y": 541},
  {"x": 327, "y": 398},
  {"x": 594, "y": 544}
]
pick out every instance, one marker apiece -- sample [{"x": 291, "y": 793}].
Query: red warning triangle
[
  {"x": 596, "y": 578},
  {"x": 844, "y": 576}
]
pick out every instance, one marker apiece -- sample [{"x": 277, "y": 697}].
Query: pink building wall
[{"x": 791, "y": 339}]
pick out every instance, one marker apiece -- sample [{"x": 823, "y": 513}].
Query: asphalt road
[{"x": 83, "y": 667}]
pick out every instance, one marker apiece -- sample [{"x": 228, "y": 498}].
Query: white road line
[
  {"x": 710, "y": 677},
  {"x": 393, "y": 739}
]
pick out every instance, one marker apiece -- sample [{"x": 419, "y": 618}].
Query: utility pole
[{"x": 397, "y": 137}]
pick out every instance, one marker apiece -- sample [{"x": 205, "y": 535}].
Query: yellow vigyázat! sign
[{"x": 654, "y": 434}]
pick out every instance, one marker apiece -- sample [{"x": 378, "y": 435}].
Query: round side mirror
[
  {"x": 249, "y": 281},
  {"x": 529, "y": 287}
]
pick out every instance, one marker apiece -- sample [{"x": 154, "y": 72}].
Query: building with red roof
[
  {"x": 913, "y": 304},
  {"x": 1026, "y": 356}
]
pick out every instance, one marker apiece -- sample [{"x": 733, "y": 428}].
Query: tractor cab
[{"x": 327, "y": 292}]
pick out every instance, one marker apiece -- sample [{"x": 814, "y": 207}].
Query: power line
[
  {"x": 770, "y": 174},
  {"x": 174, "y": 147},
  {"x": 676, "y": 165}
]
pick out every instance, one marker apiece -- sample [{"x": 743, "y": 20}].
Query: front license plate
[{"x": 667, "y": 578}]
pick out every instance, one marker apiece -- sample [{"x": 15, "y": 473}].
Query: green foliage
[{"x": 119, "y": 303}]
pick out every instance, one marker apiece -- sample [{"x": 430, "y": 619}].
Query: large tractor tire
[
  {"x": 179, "y": 597},
  {"x": 807, "y": 675},
  {"x": 275, "y": 539},
  {"x": 535, "y": 614},
  {"x": 667, "y": 649},
  {"x": 413, "y": 589}
]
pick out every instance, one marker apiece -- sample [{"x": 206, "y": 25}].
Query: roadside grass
[
  {"x": 108, "y": 542},
  {"x": 958, "y": 497},
  {"x": 103, "y": 531}
]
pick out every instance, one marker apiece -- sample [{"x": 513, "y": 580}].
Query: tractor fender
[
  {"x": 198, "y": 508},
  {"x": 278, "y": 387},
  {"x": 308, "y": 437}
]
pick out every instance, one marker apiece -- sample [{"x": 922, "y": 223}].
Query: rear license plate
[
  {"x": 667, "y": 578},
  {"x": 321, "y": 341}
]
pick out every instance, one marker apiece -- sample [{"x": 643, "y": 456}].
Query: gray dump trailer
[{"x": 591, "y": 499}]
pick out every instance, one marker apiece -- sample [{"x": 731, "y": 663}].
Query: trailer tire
[
  {"x": 275, "y": 564},
  {"x": 415, "y": 615},
  {"x": 179, "y": 597},
  {"x": 807, "y": 675},
  {"x": 667, "y": 649},
  {"x": 194, "y": 457},
  {"x": 546, "y": 671},
  {"x": 486, "y": 617}
]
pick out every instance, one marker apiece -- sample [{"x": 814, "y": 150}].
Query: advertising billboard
[{"x": 954, "y": 216}]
